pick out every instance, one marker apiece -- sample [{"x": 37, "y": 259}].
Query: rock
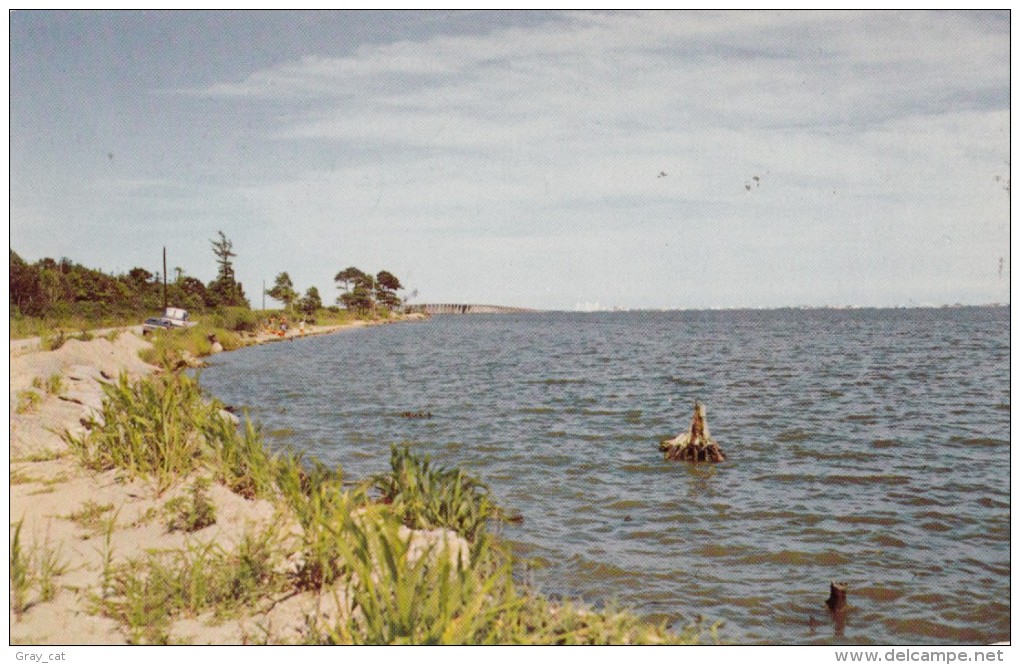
[
  {"x": 216, "y": 348},
  {"x": 228, "y": 416},
  {"x": 432, "y": 542}
]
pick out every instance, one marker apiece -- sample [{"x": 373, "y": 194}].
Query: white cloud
[{"x": 595, "y": 149}]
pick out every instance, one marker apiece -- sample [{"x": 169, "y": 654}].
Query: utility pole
[
  {"x": 263, "y": 295},
  {"x": 164, "y": 279}
]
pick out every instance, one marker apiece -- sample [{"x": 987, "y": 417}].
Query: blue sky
[{"x": 552, "y": 160}]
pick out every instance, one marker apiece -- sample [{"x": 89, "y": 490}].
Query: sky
[{"x": 555, "y": 160}]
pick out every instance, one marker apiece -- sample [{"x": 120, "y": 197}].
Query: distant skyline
[{"x": 555, "y": 160}]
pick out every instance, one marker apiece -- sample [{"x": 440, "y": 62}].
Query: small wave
[
  {"x": 979, "y": 441},
  {"x": 558, "y": 382},
  {"x": 863, "y": 418},
  {"x": 868, "y": 480},
  {"x": 868, "y": 519},
  {"x": 937, "y": 527},
  {"x": 992, "y": 503},
  {"x": 796, "y": 558},
  {"x": 681, "y": 381},
  {"x": 851, "y": 456},
  {"x": 915, "y": 499},
  {"x": 641, "y": 468},
  {"x": 793, "y": 435},
  {"x": 879, "y": 593},
  {"x": 886, "y": 540},
  {"x": 942, "y": 631},
  {"x": 626, "y": 504},
  {"x": 884, "y": 443},
  {"x": 717, "y": 550}
]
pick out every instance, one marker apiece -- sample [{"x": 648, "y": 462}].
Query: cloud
[{"x": 538, "y": 149}]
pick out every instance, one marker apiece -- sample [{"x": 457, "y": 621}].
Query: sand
[{"x": 47, "y": 485}]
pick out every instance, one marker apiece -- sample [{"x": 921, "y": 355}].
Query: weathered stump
[
  {"x": 695, "y": 445},
  {"x": 837, "y": 597}
]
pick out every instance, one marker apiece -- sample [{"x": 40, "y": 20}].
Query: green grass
[
  {"x": 20, "y": 573},
  {"x": 54, "y": 384},
  {"x": 192, "y": 512},
  {"x": 91, "y": 516},
  {"x": 28, "y": 401},
  {"x": 169, "y": 347},
  {"x": 34, "y": 568},
  {"x": 427, "y": 497},
  {"x": 147, "y": 594}
]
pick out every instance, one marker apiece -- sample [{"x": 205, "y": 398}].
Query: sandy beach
[{"x": 83, "y": 522}]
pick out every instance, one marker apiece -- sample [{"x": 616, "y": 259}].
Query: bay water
[{"x": 870, "y": 447}]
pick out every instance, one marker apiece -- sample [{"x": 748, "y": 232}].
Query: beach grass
[{"x": 32, "y": 568}]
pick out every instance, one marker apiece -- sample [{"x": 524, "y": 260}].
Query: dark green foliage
[
  {"x": 358, "y": 287},
  {"x": 225, "y": 290},
  {"x": 283, "y": 290},
  {"x": 26, "y": 292},
  {"x": 311, "y": 303},
  {"x": 386, "y": 287}
]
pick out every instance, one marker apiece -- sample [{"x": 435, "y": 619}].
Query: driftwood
[{"x": 694, "y": 445}]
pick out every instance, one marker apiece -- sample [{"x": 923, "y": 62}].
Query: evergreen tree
[
  {"x": 283, "y": 290},
  {"x": 311, "y": 303},
  {"x": 225, "y": 290}
]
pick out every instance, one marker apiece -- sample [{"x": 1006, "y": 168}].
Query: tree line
[
  {"x": 361, "y": 292},
  {"x": 63, "y": 288}
]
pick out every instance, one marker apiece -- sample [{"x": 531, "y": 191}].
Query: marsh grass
[
  {"x": 323, "y": 510},
  {"x": 31, "y": 568},
  {"x": 427, "y": 497},
  {"x": 147, "y": 594},
  {"x": 91, "y": 516},
  {"x": 21, "y": 477},
  {"x": 170, "y": 347},
  {"x": 193, "y": 512},
  {"x": 147, "y": 429},
  {"x": 55, "y": 384},
  {"x": 28, "y": 401},
  {"x": 434, "y": 598},
  {"x": 19, "y": 572},
  {"x": 162, "y": 429}
]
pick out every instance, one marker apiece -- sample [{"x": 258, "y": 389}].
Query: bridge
[{"x": 450, "y": 308}]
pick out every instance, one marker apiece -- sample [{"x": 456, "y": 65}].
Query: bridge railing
[{"x": 463, "y": 308}]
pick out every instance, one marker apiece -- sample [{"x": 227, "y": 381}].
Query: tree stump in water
[
  {"x": 695, "y": 445},
  {"x": 837, "y": 597}
]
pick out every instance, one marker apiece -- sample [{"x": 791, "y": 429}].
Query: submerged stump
[{"x": 694, "y": 445}]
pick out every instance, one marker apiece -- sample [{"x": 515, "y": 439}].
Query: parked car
[{"x": 173, "y": 317}]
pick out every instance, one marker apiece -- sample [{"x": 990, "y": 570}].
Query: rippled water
[{"x": 867, "y": 446}]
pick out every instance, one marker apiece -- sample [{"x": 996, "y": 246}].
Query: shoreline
[
  {"x": 258, "y": 549},
  {"x": 51, "y": 494}
]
